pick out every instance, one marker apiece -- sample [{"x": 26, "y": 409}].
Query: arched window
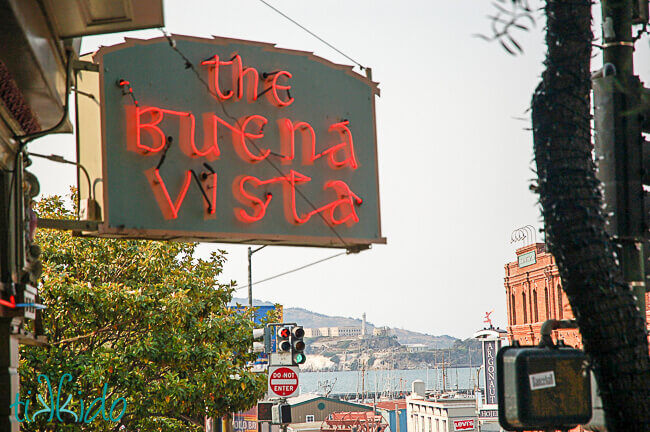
[
  {"x": 513, "y": 309},
  {"x": 559, "y": 302},
  {"x": 535, "y": 306},
  {"x": 523, "y": 302},
  {"x": 548, "y": 310}
]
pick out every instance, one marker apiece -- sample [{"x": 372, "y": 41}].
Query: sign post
[{"x": 283, "y": 381}]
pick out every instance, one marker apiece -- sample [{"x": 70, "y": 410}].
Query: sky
[{"x": 454, "y": 148}]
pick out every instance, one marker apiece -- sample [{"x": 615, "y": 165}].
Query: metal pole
[
  {"x": 618, "y": 59},
  {"x": 250, "y": 274},
  {"x": 9, "y": 382},
  {"x": 250, "y": 278}
]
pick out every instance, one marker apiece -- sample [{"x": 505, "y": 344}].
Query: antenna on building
[{"x": 525, "y": 234}]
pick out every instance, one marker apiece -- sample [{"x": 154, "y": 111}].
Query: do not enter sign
[{"x": 283, "y": 381}]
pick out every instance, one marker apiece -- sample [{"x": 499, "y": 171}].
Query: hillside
[
  {"x": 312, "y": 319},
  {"x": 309, "y": 319}
]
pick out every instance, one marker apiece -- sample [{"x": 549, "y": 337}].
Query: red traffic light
[{"x": 284, "y": 332}]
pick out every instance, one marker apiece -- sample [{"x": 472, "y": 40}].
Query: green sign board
[
  {"x": 526, "y": 259},
  {"x": 235, "y": 141}
]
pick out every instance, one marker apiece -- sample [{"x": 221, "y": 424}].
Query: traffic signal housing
[
  {"x": 281, "y": 414},
  {"x": 298, "y": 345},
  {"x": 265, "y": 411},
  {"x": 542, "y": 388},
  {"x": 262, "y": 340},
  {"x": 283, "y": 342}
]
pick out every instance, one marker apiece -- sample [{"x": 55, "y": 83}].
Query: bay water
[{"x": 384, "y": 381}]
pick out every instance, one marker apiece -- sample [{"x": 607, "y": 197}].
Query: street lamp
[
  {"x": 250, "y": 274},
  {"x": 91, "y": 205}
]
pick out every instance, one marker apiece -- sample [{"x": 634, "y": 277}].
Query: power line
[
  {"x": 190, "y": 65},
  {"x": 292, "y": 271},
  {"x": 315, "y": 35}
]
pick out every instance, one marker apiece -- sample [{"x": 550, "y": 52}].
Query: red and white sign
[
  {"x": 464, "y": 425},
  {"x": 283, "y": 381}
]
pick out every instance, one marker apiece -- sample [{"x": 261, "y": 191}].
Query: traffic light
[
  {"x": 297, "y": 345},
  {"x": 283, "y": 343},
  {"x": 263, "y": 335},
  {"x": 281, "y": 414},
  {"x": 265, "y": 411},
  {"x": 542, "y": 388}
]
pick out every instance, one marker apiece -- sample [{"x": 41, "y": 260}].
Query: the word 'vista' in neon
[{"x": 342, "y": 210}]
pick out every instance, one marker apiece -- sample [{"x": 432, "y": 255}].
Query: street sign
[
  {"x": 283, "y": 381},
  {"x": 238, "y": 141}
]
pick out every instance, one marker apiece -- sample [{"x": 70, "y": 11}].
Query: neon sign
[{"x": 252, "y": 143}]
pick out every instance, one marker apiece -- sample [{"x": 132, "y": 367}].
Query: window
[
  {"x": 559, "y": 302},
  {"x": 523, "y": 301},
  {"x": 309, "y": 418},
  {"x": 513, "y": 309},
  {"x": 535, "y": 306},
  {"x": 548, "y": 310}
]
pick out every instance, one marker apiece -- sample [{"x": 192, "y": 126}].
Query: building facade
[
  {"x": 440, "y": 415},
  {"x": 314, "y": 408},
  {"x": 333, "y": 331},
  {"x": 534, "y": 294},
  {"x": 394, "y": 412}
]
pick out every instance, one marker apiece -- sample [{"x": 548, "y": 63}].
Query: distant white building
[
  {"x": 381, "y": 331},
  {"x": 440, "y": 415},
  {"x": 413, "y": 348},
  {"x": 332, "y": 331}
]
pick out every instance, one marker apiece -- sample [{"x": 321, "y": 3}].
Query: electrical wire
[
  {"x": 292, "y": 271},
  {"x": 190, "y": 65},
  {"x": 314, "y": 35}
]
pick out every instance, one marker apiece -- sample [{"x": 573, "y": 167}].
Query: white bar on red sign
[{"x": 284, "y": 381}]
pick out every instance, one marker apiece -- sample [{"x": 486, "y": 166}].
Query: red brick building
[{"x": 534, "y": 294}]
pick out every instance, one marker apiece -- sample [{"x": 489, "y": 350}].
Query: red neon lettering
[
  {"x": 288, "y": 141},
  {"x": 253, "y": 80},
  {"x": 214, "y": 65},
  {"x": 239, "y": 135},
  {"x": 135, "y": 127},
  {"x": 252, "y": 201},
  {"x": 347, "y": 146},
  {"x": 273, "y": 94},
  {"x": 244, "y": 135},
  {"x": 344, "y": 204},
  {"x": 169, "y": 209},
  {"x": 290, "y": 210}
]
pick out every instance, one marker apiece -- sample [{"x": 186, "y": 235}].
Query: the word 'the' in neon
[{"x": 246, "y": 80}]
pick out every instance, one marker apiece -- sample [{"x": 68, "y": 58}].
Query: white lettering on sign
[
  {"x": 489, "y": 354},
  {"x": 463, "y": 425},
  {"x": 283, "y": 381},
  {"x": 542, "y": 380}
]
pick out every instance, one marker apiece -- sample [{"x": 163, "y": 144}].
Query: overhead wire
[
  {"x": 313, "y": 34},
  {"x": 190, "y": 65},
  {"x": 292, "y": 271}
]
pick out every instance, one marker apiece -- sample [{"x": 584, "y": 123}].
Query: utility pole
[
  {"x": 250, "y": 274},
  {"x": 619, "y": 142}
]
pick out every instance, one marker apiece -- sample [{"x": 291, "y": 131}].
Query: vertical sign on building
[{"x": 490, "y": 349}]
